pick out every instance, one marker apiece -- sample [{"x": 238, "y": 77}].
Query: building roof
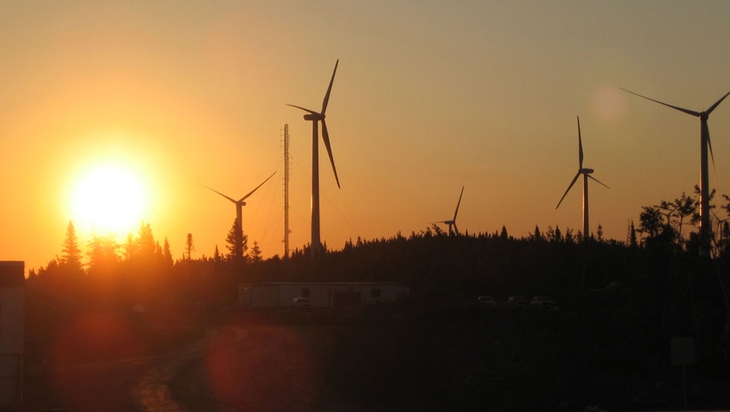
[
  {"x": 323, "y": 283},
  {"x": 12, "y": 274}
]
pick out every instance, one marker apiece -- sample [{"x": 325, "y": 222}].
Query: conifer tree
[
  {"x": 130, "y": 247},
  {"x": 102, "y": 251},
  {"x": 255, "y": 255},
  {"x": 503, "y": 234},
  {"x": 189, "y": 247},
  {"x": 146, "y": 246},
  {"x": 71, "y": 254},
  {"x": 166, "y": 254},
  {"x": 231, "y": 241}
]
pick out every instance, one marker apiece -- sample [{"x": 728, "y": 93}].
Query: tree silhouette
[
  {"x": 130, "y": 247},
  {"x": 255, "y": 254},
  {"x": 167, "y": 254},
  {"x": 71, "y": 253},
  {"x": 232, "y": 240},
  {"x": 632, "y": 236},
  {"x": 146, "y": 246},
  {"x": 102, "y": 252},
  {"x": 189, "y": 247}
]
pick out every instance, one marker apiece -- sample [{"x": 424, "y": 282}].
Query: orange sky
[{"x": 429, "y": 96}]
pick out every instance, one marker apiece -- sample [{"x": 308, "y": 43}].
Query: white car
[
  {"x": 542, "y": 302},
  {"x": 301, "y": 303},
  {"x": 517, "y": 301}
]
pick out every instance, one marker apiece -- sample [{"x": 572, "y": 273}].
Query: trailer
[{"x": 321, "y": 294}]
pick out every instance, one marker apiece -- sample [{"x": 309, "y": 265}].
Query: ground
[{"x": 379, "y": 359}]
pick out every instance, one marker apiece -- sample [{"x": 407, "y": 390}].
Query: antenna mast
[{"x": 286, "y": 191}]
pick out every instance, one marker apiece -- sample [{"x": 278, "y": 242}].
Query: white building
[
  {"x": 321, "y": 294},
  {"x": 12, "y": 319}
]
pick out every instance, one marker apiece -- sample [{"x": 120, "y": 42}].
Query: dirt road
[{"x": 232, "y": 368}]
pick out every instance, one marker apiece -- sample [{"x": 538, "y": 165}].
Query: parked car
[
  {"x": 487, "y": 301},
  {"x": 542, "y": 302},
  {"x": 517, "y": 300},
  {"x": 301, "y": 303}
]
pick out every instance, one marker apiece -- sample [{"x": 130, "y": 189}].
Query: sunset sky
[{"x": 429, "y": 96}]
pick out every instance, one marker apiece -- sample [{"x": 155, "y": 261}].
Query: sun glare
[{"x": 109, "y": 199}]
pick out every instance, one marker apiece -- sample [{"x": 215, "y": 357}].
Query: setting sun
[{"x": 109, "y": 199}]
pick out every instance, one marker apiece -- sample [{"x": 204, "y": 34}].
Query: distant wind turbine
[
  {"x": 315, "y": 118},
  {"x": 452, "y": 222},
  {"x": 240, "y": 203},
  {"x": 586, "y": 175},
  {"x": 705, "y": 144}
]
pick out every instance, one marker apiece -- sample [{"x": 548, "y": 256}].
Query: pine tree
[
  {"x": 537, "y": 235},
  {"x": 167, "y": 254},
  {"x": 130, "y": 247},
  {"x": 189, "y": 247},
  {"x": 102, "y": 251},
  {"x": 231, "y": 241},
  {"x": 255, "y": 255},
  {"x": 503, "y": 234},
  {"x": 71, "y": 254},
  {"x": 146, "y": 241}
]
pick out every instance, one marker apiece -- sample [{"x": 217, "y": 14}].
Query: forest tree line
[{"x": 658, "y": 278}]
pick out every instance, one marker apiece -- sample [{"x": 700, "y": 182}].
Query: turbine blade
[
  {"x": 580, "y": 147},
  {"x": 597, "y": 181},
  {"x": 717, "y": 103},
  {"x": 329, "y": 89},
  {"x": 712, "y": 156},
  {"x": 458, "y": 203},
  {"x": 326, "y": 138},
  {"x": 232, "y": 200},
  {"x": 302, "y": 108},
  {"x": 568, "y": 190},
  {"x": 456, "y": 229},
  {"x": 683, "y": 110},
  {"x": 257, "y": 187}
]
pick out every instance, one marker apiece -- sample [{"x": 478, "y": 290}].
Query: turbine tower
[
  {"x": 315, "y": 118},
  {"x": 240, "y": 203},
  {"x": 452, "y": 223},
  {"x": 705, "y": 145},
  {"x": 586, "y": 175},
  {"x": 286, "y": 191}
]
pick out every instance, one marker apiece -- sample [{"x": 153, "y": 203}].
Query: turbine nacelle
[
  {"x": 586, "y": 171},
  {"x": 313, "y": 117}
]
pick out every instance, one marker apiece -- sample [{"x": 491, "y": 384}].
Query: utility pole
[{"x": 286, "y": 191}]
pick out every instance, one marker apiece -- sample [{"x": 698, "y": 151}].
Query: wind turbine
[
  {"x": 452, "y": 222},
  {"x": 315, "y": 118},
  {"x": 586, "y": 175},
  {"x": 705, "y": 144},
  {"x": 240, "y": 203}
]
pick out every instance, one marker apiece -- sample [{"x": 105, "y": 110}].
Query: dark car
[{"x": 487, "y": 301}]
